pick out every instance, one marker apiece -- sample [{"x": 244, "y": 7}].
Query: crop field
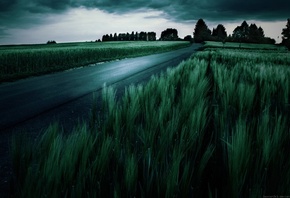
[
  {"x": 22, "y": 61},
  {"x": 215, "y": 126},
  {"x": 233, "y": 45}
]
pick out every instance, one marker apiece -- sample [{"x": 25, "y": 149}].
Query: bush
[{"x": 51, "y": 42}]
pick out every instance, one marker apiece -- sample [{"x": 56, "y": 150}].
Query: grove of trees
[
  {"x": 51, "y": 42},
  {"x": 244, "y": 33},
  {"x": 142, "y": 36},
  {"x": 169, "y": 34},
  {"x": 250, "y": 34}
]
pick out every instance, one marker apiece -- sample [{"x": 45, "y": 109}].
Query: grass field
[
  {"x": 29, "y": 60},
  {"x": 232, "y": 45},
  {"x": 215, "y": 126}
]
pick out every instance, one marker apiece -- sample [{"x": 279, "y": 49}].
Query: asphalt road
[{"x": 30, "y": 105}]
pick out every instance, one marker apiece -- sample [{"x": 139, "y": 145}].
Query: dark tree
[
  {"x": 115, "y": 37},
  {"x": 245, "y": 27},
  {"x": 188, "y": 38},
  {"x": 286, "y": 31},
  {"x": 286, "y": 35},
  {"x": 106, "y": 38},
  {"x": 51, "y": 42},
  {"x": 127, "y": 37},
  {"x": 250, "y": 34},
  {"x": 143, "y": 36},
  {"x": 132, "y": 36},
  {"x": 151, "y": 36},
  {"x": 169, "y": 34},
  {"x": 219, "y": 33},
  {"x": 201, "y": 32},
  {"x": 136, "y": 37},
  {"x": 121, "y": 37},
  {"x": 241, "y": 33},
  {"x": 255, "y": 35},
  {"x": 267, "y": 40},
  {"x": 261, "y": 32}
]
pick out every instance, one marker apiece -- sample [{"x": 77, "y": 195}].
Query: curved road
[
  {"x": 33, "y": 103},
  {"x": 26, "y": 98}
]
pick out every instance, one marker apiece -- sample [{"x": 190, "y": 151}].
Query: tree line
[
  {"x": 169, "y": 34},
  {"x": 244, "y": 33},
  {"x": 142, "y": 36}
]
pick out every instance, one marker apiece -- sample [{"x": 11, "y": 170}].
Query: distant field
[
  {"x": 21, "y": 61},
  {"x": 212, "y": 44}
]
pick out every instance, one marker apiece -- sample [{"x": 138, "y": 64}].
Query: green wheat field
[
  {"x": 18, "y": 61},
  {"x": 217, "y": 125}
]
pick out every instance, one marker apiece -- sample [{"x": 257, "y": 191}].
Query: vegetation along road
[
  {"x": 35, "y": 102},
  {"x": 24, "y": 99}
]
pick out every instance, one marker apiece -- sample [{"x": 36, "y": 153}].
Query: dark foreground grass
[
  {"x": 203, "y": 129},
  {"x": 23, "y": 61}
]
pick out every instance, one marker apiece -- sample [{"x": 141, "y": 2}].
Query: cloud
[
  {"x": 25, "y": 14},
  {"x": 177, "y": 10},
  {"x": 255, "y": 9},
  {"x": 81, "y": 24},
  {"x": 208, "y": 9}
]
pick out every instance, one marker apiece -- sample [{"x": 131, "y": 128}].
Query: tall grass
[
  {"x": 207, "y": 128},
  {"x": 253, "y": 98}
]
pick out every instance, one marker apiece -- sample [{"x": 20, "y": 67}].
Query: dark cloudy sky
[{"x": 37, "y": 21}]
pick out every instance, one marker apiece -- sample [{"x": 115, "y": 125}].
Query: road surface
[{"x": 32, "y": 104}]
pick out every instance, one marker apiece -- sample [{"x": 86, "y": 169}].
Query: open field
[
  {"x": 232, "y": 45},
  {"x": 30, "y": 60},
  {"x": 215, "y": 126}
]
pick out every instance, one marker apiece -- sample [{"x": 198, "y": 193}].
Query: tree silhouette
[
  {"x": 188, "y": 38},
  {"x": 241, "y": 33},
  {"x": 219, "y": 33},
  {"x": 51, "y": 42},
  {"x": 254, "y": 34},
  {"x": 286, "y": 31},
  {"x": 127, "y": 37},
  {"x": 115, "y": 37},
  {"x": 143, "y": 36},
  {"x": 169, "y": 34},
  {"x": 132, "y": 36},
  {"x": 261, "y": 32},
  {"x": 106, "y": 38},
  {"x": 136, "y": 37},
  {"x": 250, "y": 34},
  {"x": 151, "y": 36},
  {"x": 286, "y": 35},
  {"x": 121, "y": 37},
  {"x": 201, "y": 32}
]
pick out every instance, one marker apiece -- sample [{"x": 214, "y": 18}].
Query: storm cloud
[
  {"x": 30, "y": 13},
  {"x": 178, "y": 10}
]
